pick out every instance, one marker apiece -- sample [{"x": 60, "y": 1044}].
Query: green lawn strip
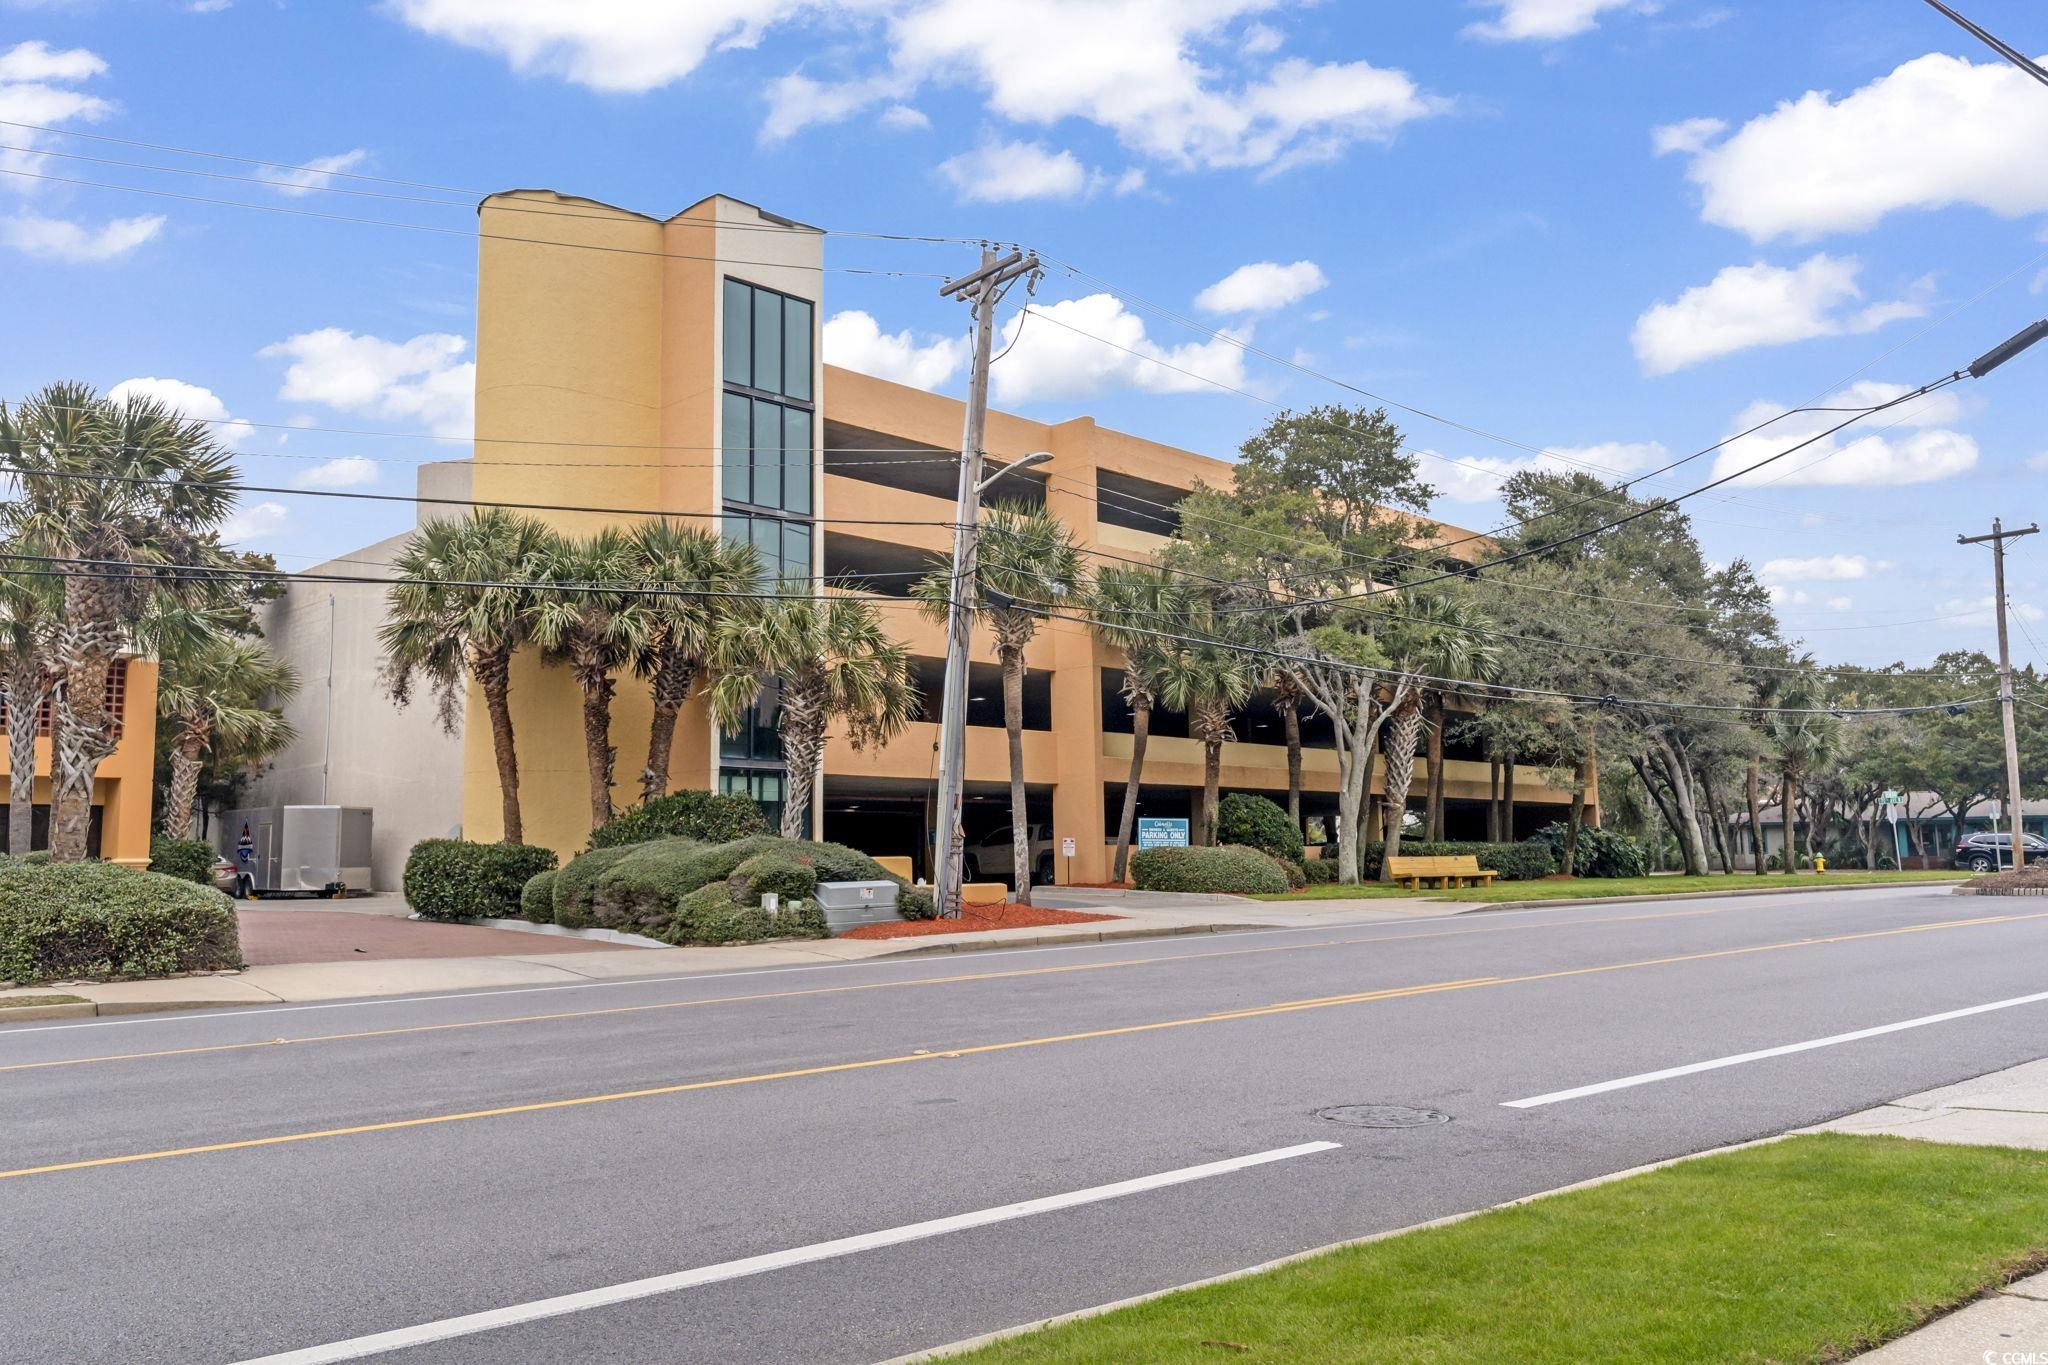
[
  {"x": 16, "y": 1002},
  {"x": 1810, "y": 1249},
  {"x": 1577, "y": 888}
]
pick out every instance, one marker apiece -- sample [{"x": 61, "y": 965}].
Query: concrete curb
[
  {"x": 527, "y": 926},
  {"x": 956, "y": 1348},
  {"x": 1650, "y": 897},
  {"x": 938, "y": 945},
  {"x": 70, "y": 1009}
]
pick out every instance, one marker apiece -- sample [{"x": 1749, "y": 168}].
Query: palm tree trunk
[
  {"x": 1400, "y": 745},
  {"x": 1433, "y": 803},
  {"x": 84, "y": 732},
  {"x": 599, "y": 754},
  {"x": 1790, "y": 807},
  {"x": 1492, "y": 799},
  {"x": 671, "y": 688},
  {"x": 26, "y": 688},
  {"x": 1756, "y": 827},
  {"x": 1290, "y": 728},
  {"x": 1577, "y": 816},
  {"x": 1507, "y": 800},
  {"x": 803, "y": 751},
  {"x": 493, "y": 670},
  {"x": 186, "y": 760},
  {"x": 1141, "y": 731},
  {"x": 1212, "y": 777},
  {"x": 1020, "y": 816}
]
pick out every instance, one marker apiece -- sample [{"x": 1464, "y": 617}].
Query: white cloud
[
  {"x": 316, "y": 174},
  {"x": 1688, "y": 135},
  {"x": 615, "y": 45},
  {"x": 1262, "y": 287},
  {"x": 192, "y": 400},
  {"x": 260, "y": 521},
  {"x": 1158, "y": 75},
  {"x": 1822, "y": 568},
  {"x": 1081, "y": 347},
  {"x": 1977, "y": 611},
  {"x": 2038, "y": 462},
  {"x": 33, "y": 89},
  {"x": 423, "y": 379},
  {"x": 854, "y": 341},
  {"x": 347, "y": 471},
  {"x": 997, "y": 172},
  {"x": 1763, "y": 305},
  {"x": 1938, "y": 130},
  {"x": 1478, "y": 478},
  {"x": 208, "y": 6},
  {"x": 1520, "y": 20},
  {"x": 904, "y": 118},
  {"x": 59, "y": 239},
  {"x": 1259, "y": 39},
  {"x": 1927, "y": 451}
]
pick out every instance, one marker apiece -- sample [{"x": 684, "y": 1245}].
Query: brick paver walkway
[{"x": 270, "y": 937}]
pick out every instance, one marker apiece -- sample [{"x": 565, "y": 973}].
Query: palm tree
[
  {"x": 584, "y": 620},
  {"x": 117, "y": 493},
  {"x": 1026, "y": 562},
  {"x": 834, "y": 663},
  {"x": 218, "y": 690},
  {"x": 1804, "y": 741},
  {"x": 695, "y": 566},
  {"x": 1132, "y": 606},
  {"x": 1207, "y": 681},
  {"x": 1437, "y": 639},
  {"x": 462, "y": 606},
  {"x": 28, "y": 617}
]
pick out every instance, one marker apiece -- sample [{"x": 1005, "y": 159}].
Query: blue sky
[{"x": 1603, "y": 228}]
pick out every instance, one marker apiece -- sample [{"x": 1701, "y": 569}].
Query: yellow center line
[
  {"x": 1155, "y": 960},
  {"x": 979, "y": 1049}
]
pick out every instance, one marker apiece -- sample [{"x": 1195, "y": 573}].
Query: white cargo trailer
[{"x": 283, "y": 850}]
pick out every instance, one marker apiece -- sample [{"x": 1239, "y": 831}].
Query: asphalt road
[{"x": 231, "y": 1186}]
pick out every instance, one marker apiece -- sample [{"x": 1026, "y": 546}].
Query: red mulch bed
[{"x": 975, "y": 918}]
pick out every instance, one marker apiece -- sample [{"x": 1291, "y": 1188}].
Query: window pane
[
  {"x": 796, "y": 460},
  {"x": 735, "y": 528},
  {"x": 739, "y": 333},
  {"x": 767, "y": 454},
  {"x": 796, "y": 550},
  {"x": 796, "y": 348},
  {"x": 768, "y": 540},
  {"x": 737, "y": 457},
  {"x": 767, "y": 341}
]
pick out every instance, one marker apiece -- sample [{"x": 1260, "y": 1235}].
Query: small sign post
[{"x": 1067, "y": 852}]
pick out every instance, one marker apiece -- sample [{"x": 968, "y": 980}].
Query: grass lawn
[
  {"x": 1808, "y": 1249},
  {"x": 1576, "y": 887},
  {"x": 17, "y": 1002}
]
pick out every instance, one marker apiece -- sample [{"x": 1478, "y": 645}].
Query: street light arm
[{"x": 1036, "y": 457}]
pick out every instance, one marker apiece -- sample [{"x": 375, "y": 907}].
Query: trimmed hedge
[
  {"x": 1256, "y": 822},
  {"x": 537, "y": 898},
  {"x": 1601, "y": 853},
  {"x": 1316, "y": 872},
  {"x": 189, "y": 860},
  {"x": 708, "y": 817},
  {"x": 653, "y": 888},
  {"x": 916, "y": 903},
  {"x": 66, "y": 921},
  {"x": 450, "y": 879},
  {"x": 1514, "y": 862},
  {"x": 1225, "y": 870}
]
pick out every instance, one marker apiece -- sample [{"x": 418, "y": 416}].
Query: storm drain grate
[{"x": 1382, "y": 1116}]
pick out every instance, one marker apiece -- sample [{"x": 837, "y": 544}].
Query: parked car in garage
[
  {"x": 991, "y": 856},
  {"x": 1985, "y": 852}
]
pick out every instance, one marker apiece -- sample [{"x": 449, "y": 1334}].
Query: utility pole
[
  {"x": 1996, "y": 538},
  {"x": 982, "y": 290}
]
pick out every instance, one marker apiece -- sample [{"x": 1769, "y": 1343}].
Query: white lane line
[
  {"x": 355, "y": 1348},
  {"x": 1692, "y": 1068}
]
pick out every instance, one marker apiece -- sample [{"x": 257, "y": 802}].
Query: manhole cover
[{"x": 1382, "y": 1116}]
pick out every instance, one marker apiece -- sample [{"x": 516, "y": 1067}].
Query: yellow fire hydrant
[{"x": 1820, "y": 864}]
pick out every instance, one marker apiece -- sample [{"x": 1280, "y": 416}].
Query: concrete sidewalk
[
  {"x": 552, "y": 961},
  {"x": 2007, "y": 1109}
]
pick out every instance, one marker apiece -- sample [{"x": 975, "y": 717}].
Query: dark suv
[{"x": 1984, "y": 852}]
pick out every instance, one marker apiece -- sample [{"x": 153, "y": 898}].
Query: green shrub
[
  {"x": 63, "y": 921},
  {"x": 1256, "y": 822},
  {"x": 916, "y": 903},
  {"x": 710, "y": 915},
  {"x": 1318, "y": 873},
  {"x": 189, "y": 860},
  {"x": 537, "y": 899},
  {"x": 1226, "y": 870},
  {"x": 771, "y": 873},
  {"x": 641, "y": 888},
  {"x": 451, "y": 879},
  {"x": 708, "y": 817},
  {"x": 1601, "y": 853},
  {"x": 1513, "y": 862}
]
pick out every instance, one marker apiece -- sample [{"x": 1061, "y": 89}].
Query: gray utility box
[
  {"x": 850, "y": 904},
  {"x": 320, "y": 849}
]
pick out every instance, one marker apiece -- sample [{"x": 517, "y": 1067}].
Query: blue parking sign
[{"x": 1159, "y": 833}]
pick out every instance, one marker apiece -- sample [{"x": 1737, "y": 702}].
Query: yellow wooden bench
[
  {"x": 895, "y": 865},
  {"x": 983, "y": 893},
  {"x": 1443, "y": 871}
]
